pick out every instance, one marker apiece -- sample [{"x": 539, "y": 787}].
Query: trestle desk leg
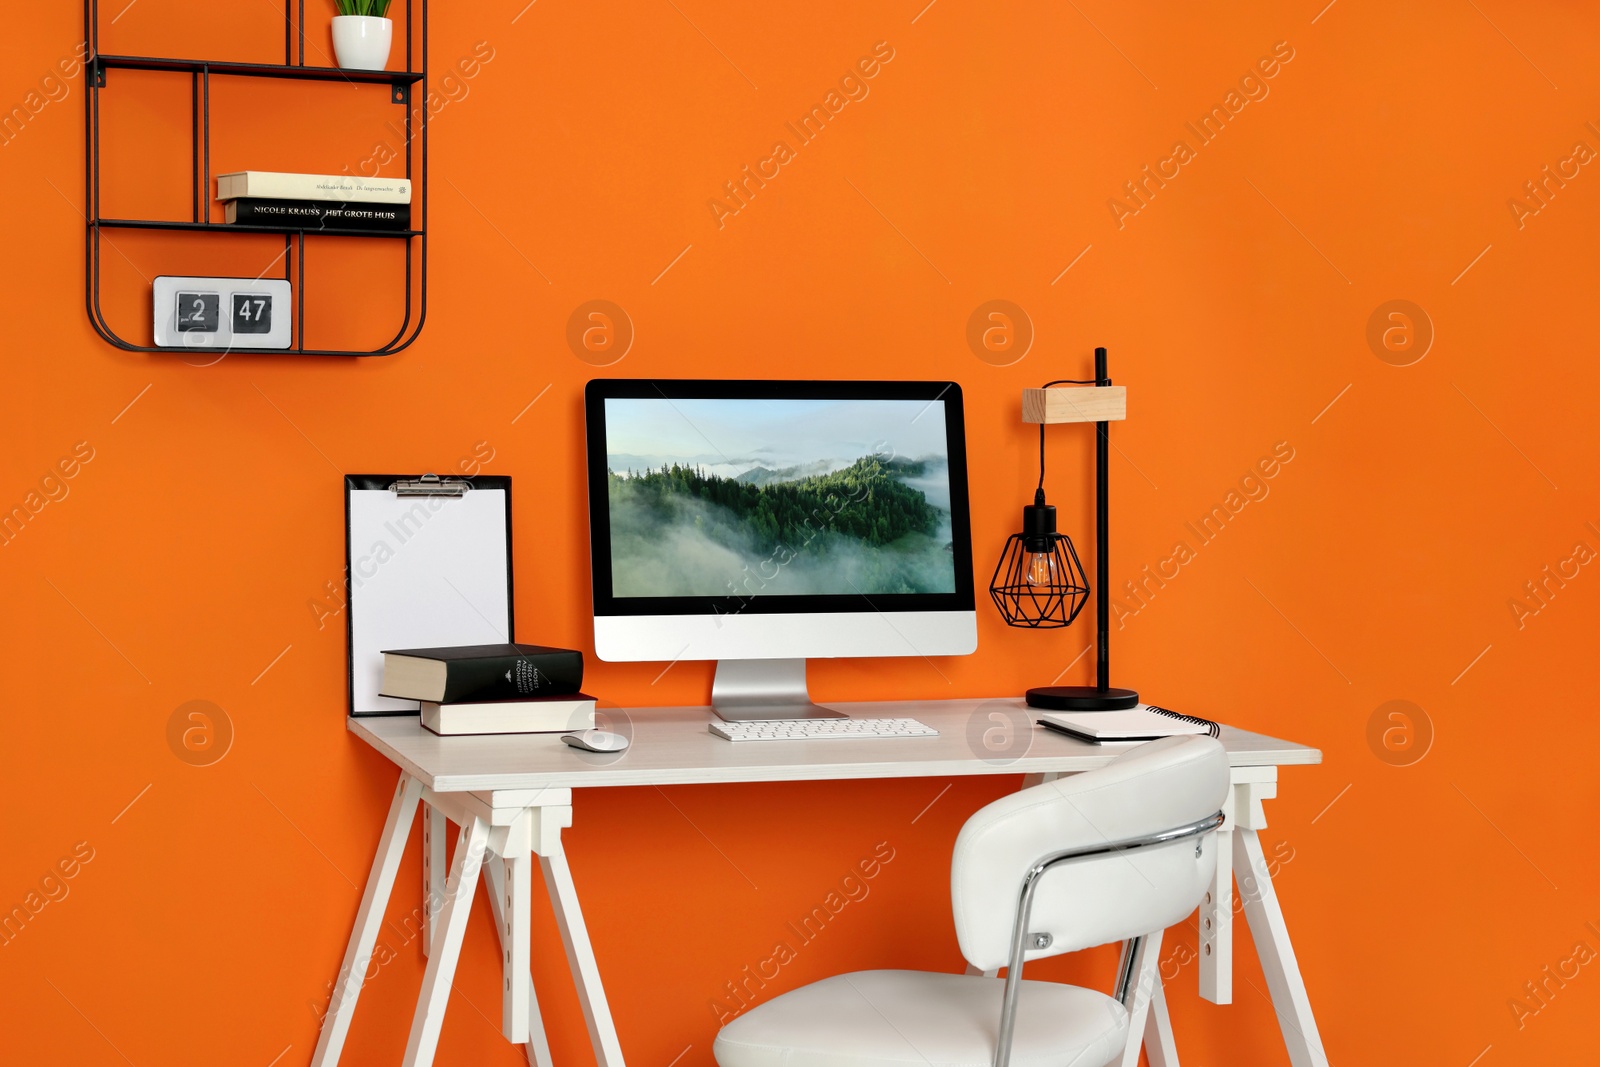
[
  {"x": 1216, "y": 924},
  {"x": 369, "y": 917},
  {"x": 580, "y": 956},
  {"x": 433, "y": 869},
  {"x": 1159, "y": 1045},
  {"x": 449, "y": 930},
  {"x": 511, "y": 893},
  {"x": 1278, "y": 963}
]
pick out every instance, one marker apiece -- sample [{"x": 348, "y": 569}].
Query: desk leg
[
  {"x": 580, "y": 956},
  {"x": 374, "y": 899},
  {"x": 433, "y": 869},
  {"x": 1242, "y": 809},
  {"x": 1159, "y": 1044},
  {"x": 1216, "y": 925},
  {"x": 511, "y": 893},
  {"x": 446, "y": 948},
  {"x": 1271, "y": 934}
]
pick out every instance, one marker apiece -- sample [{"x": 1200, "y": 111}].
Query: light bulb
[{"x": 1041, "y": 568}]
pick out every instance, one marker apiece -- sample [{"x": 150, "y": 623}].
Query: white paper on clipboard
[{"x": 424, "y": 571}]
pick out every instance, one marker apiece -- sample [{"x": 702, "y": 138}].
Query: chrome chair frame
[{"x": 1030, "y": 884}]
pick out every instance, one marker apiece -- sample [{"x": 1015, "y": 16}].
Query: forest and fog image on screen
[{"x": 778, "y": 497}]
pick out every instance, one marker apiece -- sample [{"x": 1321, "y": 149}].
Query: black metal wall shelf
[
  {"x": 231, "y": 227},
  {"x": 100, "y": 64},
  {"x": 200, "y": 72}
]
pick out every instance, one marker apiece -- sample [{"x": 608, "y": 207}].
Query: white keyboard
[{"x": 820, "y": 729}]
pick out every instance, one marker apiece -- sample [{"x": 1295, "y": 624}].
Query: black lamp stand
[{"x": 1101, "y": 696}]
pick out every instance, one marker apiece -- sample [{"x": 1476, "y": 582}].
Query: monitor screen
[{"x": 730, "y": 492}]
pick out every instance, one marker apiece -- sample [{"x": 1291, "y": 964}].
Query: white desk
[{"x": 511, "y": 795}]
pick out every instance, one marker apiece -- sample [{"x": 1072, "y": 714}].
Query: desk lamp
[{"x": 1039, "y": 582}]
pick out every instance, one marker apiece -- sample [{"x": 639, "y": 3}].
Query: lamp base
[{"x": 1081, "y": 698}]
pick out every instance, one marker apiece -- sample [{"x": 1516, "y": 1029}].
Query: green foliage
[
  {"x": 865, "y": 501},
  {"x": 375, "y": 8}
]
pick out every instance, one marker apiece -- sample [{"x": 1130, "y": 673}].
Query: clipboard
[{"x": 427, "y": 563}]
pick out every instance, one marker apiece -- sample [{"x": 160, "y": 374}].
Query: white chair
[{"x": 1114, "y": 854}]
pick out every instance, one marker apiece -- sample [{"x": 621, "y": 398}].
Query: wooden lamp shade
[{"x": 1078, "y": 403}]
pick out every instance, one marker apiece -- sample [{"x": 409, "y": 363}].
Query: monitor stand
[{"x": 759, "y": 690}]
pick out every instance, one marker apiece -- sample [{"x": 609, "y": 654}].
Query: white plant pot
[{"x": 361, "y": 42}]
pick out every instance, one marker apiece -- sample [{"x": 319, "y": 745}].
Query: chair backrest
[{"x": 1157, "y": 786}]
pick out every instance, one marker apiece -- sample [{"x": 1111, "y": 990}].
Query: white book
[
  {"x": 1145, "y": 722},
  {"x": 341, "y": 188},
  {"x": 535, "y": 715}
]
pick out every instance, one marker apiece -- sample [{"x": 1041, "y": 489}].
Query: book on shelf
[
  {"x": 459, "y": 673},
  {"x": 1146, "y": 722},
  {"x": 339, "y": 188},
  {"x": 530, "y": 715},
  {"x": 317, "y": 214}
]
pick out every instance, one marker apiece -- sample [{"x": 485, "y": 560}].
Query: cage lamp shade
[{"x": 1039, "y": 581}]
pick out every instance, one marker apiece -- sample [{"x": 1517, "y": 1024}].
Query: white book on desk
[
  {"x": 532, "y": 715},
  {"x": 1145, "y": 722}
]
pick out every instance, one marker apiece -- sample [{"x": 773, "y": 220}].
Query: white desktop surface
[{"x": 672, "y": 746}]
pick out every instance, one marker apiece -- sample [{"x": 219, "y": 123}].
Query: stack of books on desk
[
  {"x": 315, "y": 201},
  {"x": 492, "y": 689}
]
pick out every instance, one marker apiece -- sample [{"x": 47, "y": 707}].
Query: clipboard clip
[{"x": 431, "y": 485}]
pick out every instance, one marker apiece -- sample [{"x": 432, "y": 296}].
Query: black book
[
  {"x": 481, "y": 672},
  {"x": 318, "y": 214}
]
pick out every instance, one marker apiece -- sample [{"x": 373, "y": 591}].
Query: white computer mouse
[{"x": 596, "y": 741}]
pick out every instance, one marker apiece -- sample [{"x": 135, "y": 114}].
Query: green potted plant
[{"x": 362, "y": 35}]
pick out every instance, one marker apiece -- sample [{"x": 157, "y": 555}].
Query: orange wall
[{"x": 183, "y": 559}]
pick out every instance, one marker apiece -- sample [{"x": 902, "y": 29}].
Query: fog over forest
[
  {"x": 878, "y": 525},
  {"x": 769, "y": 496}
]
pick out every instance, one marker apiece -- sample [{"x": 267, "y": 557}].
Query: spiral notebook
[{"x": 1146, "y": 722}]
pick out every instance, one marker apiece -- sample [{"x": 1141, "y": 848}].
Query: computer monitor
[{"x": 759, "y": 523}]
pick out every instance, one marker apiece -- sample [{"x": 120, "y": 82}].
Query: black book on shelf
[
  {"x": 481, "y": 672},
  {"x": 317, "y": 214}
]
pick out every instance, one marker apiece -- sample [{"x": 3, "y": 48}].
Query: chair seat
[{"x": 928, "y": 1020}]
